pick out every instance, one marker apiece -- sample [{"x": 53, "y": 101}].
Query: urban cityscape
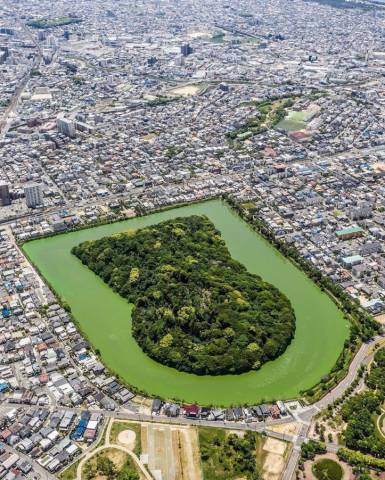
[{"x": 192, "y": 233}]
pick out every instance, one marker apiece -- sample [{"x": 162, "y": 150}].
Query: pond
[{"x": 105, "y": 317}]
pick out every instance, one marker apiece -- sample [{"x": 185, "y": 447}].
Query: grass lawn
[
  {"x": 118, "y": 427},
  {"x": 382, "y": 423},
  {"x": 326, "y": 469},
  {"x": 248, "y": 205},
  {"x": 228, "y": 456},
  {"x": 110, "y": 463}
]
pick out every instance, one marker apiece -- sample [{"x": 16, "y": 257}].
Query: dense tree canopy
[
  {"x": 360, "y": 411},
  {"x": 376, "y": 378},
  {"x": 196, "y": 309},
  {"x": 227, "y": 456}
]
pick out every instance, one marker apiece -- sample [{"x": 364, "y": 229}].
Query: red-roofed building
[
  {"x": 89, "y": 434},
  {"x": 43, "y": 378},
  {"x": 191, "y": 411},
  {"x": 41, "y": 347},
  {"x": 5, "y": 434},
  {"x": 300, "y": 136},
  {"x": 269, "y": 152}
]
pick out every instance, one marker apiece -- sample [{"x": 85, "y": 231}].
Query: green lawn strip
[
  {"x": 361, "y": 460},
  {"x": 327, "y": 469}
]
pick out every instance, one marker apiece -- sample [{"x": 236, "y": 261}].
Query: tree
[
  {"x": 106, "y": 467},
  {"x": 196, "y": 308}
]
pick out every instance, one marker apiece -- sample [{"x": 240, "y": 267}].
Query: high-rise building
[
  {"x": 186, "y": 49},
  {"x": 33, "y": 195},
  {"x": 151, "y": 61},
  {"x": 66, "y": 127},
  {"x": 41, "y": 35},
  {"x": 4, "y": 54},
  {"x": 5, "y": 198}
]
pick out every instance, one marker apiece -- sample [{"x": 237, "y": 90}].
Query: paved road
[
  {"x": 11, "y": 109},
  {"x": 295, "y": 454},
  {"x": 292, "y": 463},
  {"x": 138, "y": 417},
  {"x": 363, "y": 357}
]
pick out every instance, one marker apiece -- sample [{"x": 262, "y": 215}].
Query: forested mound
[{"x": 196, "y": 309}]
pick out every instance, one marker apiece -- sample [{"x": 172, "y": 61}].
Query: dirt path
[
  {"x": 190, "y": 454},
  {"x": 108, "y": 432},
  {"x": 379, "y": 427},
  {"x": 117, "y": 447}
]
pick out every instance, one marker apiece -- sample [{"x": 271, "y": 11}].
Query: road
[
  {"x": 363, "y": 357},
  {"x": 5, "y": 122}
]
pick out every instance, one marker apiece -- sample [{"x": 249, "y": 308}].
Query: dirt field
[
  {"x": 331, "y": 427},
  {"x": 380, "y": 319},
  {"x": 127, "y": 439},
  {"x": 186, "y": 91},
  {"x": 274, "y": 463},
  {"x": 173, "y": 451},
  {"x": 118, "y": 457},
  {"x": 288, "y": 428}
]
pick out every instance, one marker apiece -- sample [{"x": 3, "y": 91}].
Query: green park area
[
  {"x": 110, "y": 464},
  {"x": 105, "y": 317},
  {"x": 327, "y": 469},
  {"x": 196, "y": 309},
  {"x": 268, "y": 115},
  {"x": 228, "y": 455},
  {"x": 44, "y": 23},
  {"x": 294, "y": 120}
]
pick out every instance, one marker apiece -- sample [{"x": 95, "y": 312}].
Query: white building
[
  {"x": 66, "y": 127},
  {"x": 33, "y": 195}
]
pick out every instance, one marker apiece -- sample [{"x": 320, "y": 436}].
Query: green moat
[{"x": 105, "y": 317}]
